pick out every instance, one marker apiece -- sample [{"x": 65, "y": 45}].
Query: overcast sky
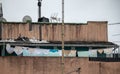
[{"x": 77, "y": 11}]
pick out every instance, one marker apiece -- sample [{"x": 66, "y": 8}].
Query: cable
[
  {"x": 114, "y": 23},
  {"x": 115, "y": 34}
]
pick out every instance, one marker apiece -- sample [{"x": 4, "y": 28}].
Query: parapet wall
[
  {"x": 52, "y": 65},
  {"x": 91, "y": 31}
]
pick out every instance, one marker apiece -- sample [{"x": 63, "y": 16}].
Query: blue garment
[{"x": 53, "y": 50}]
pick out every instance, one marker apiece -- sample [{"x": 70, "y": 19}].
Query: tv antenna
[{"x": 54, "y": 18}]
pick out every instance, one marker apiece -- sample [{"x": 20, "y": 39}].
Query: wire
[
  {"x": 114, "y": 23},
  {"x": 115, "y": 34},
  {"x": 115, "y": 41}
]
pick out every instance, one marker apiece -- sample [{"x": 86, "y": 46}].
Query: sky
[{"x": 76, "y": 11}]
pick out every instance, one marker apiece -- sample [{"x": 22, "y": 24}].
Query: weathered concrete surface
[{"x": 52, "y": 65}]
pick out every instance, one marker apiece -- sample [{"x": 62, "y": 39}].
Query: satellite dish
[
  {"x": 27, "y": 19},
  {"x": 3, "y": 20}
]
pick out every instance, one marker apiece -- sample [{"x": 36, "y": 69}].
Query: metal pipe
[
  {"x": 39, "y": 8},
  {"x": 62, "y": 36},
  {"x": 1, "y": 11}
]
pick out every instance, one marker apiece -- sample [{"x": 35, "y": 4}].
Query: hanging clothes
[
  {"x": 55, "y": 53},
  {"x": 66, "y": 52},
  {"x": 42, "y": 52},
  {"x": 18, "y": 50},
  {"x": 108, "y": 51},
  {"x": 53, "y": 50},
  {"x": 93, "y": 53},
  {"x": 100, "y": 53},
  {"x": 83, "y": 53},
  {"x": 35, "y": 52},
  {"x": 72, "y": 53},
  {"x": 31, "y": 51},
  {"x": 25, "y": 51},
  {"x": 9, "y": 49}
]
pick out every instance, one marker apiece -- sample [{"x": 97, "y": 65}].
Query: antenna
[
  {"x": 27, "y": 19},
  {"x": 54, "y": 18}
]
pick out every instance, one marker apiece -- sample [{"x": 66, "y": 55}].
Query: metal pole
[
  {"x": 39, "y": 8},
  {"x": 62, "y": 36},
  {"x": 3, "y": 49}
]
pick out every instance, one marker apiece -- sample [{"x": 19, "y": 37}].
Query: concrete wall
[
  {"x": 52, "y": 65},
  {"x": 91, "y": 31}
]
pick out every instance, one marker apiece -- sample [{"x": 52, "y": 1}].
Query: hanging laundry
[
  {"x": 60, "y": 52},
  {"x": 108, "y": 51},
  {"x": 31, "y": 51},
  {"x": 25, "y": 52},
  {"x": 41, "y": 52},
  {"x": 35, "y": 52},
  {"x": 100, "y": 51},
  {"x": 38, "y": 52},
  {"x": 45, "y": 51},
  {"x": 109, "y": 55},
  {"x": 83, "y": 53},
  {"x": 116, "y": 51},
  {"x": 18, "y": 50},
  {"x": 66, "y": 52},
  {"x": 72, "y": 53},
  {"x": 9, "y": 49},
  {"x": 53, "y": 50},
  {"x": 93, "y": 53}
]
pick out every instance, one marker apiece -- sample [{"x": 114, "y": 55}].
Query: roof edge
[
  {"x": 43, "y": 23},
  {"x": 97, "y": 21}
]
